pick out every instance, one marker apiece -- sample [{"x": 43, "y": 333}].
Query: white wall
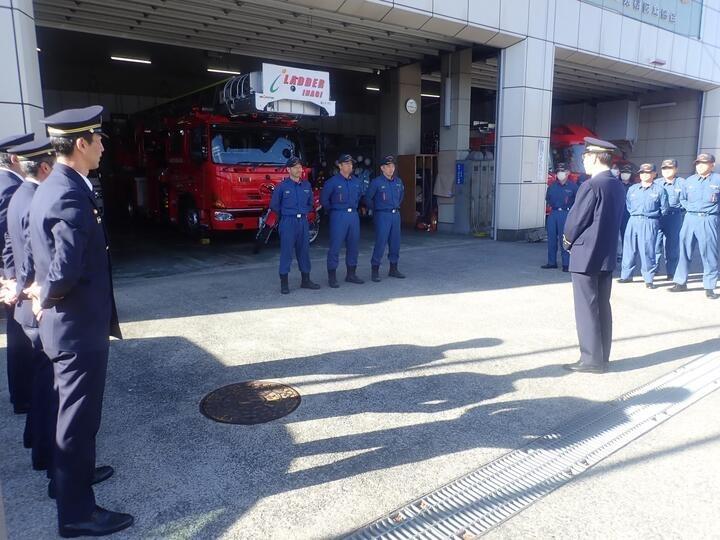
[{"x": 669, "y": 132}]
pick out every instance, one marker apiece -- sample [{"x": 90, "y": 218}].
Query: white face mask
[
  {"x": 625, "y": 176},
  {"x": 668, "y": 173},
  {"x": 615, "y": 172},
  {"x": 561, "y": 175}
]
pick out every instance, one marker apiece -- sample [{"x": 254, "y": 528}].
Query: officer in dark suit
[
  {"x": 591, "y": 233},
  {"x": 341, "y": 197},
  {"x": 19, "y": 349},
  {"x": 74, "y": 302},
  {"x": 36, "y": 160},
  {"x": 384, "y": 197},
  {"x": 292, "y": 200}
]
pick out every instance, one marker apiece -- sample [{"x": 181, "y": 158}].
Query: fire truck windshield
[{"x": 250, "y": 144}]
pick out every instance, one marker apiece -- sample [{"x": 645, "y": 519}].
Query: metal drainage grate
[
  {"x": 474, "y": 504},
  {"x": 250, "y": 402}
]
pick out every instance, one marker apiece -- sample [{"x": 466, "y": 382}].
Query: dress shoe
[
  {"x": 625, "y": 280},
  {"x": 548, "y": 266},
  {"x": 101, "y": 523},
  {"x": 650, "y": 286},
  {"x": 565, "y": 268},
  {"x": 101, "y": 474},
  {"x": 678, "y": 288},
  {"x": 711, "y": 294},
  {"x": 586, "y": 368}
]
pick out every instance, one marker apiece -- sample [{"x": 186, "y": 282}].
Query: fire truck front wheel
[{"x": 190, "y": 217}]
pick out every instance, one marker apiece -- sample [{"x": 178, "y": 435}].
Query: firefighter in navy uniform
[
  {"x": 384, "y": 197},
  {"x": 591, "y": 233},
  {"x": 341, "y": 198},
  {"x": 36, "y": 159},
  {"x": 19, "y": 348},
  {"x": 292, "y": 200},
  {"x": 74, "y": 302},
  {"x": 668, "y": 241},
  {"x": 560, "y": 197}
]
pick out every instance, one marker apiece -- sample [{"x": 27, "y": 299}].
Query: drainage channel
[{"x": 478, "y": 502}]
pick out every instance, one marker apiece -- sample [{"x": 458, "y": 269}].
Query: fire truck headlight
[{"x": 223, "y": 216}]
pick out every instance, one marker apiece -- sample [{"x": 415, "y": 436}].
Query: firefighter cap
[
  {"x": 292, "y": 161},
  {"x": 74, "y": 122},
  {"x": 669, "y": 164},
  {"x": 561, "y": 167},
  {"x": 705, "y": 158},
  {"x": 598, "y": 146},
  {"x": 34, "y": 150},
  {"x": 345, "y": 158},
  {"x": 14, "y": 140},
  {"x": 647, "y": 168},
  {"x": 626, "y": 168},
  {"x": 387, "y": 160}
]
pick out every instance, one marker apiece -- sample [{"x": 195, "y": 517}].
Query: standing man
[
  {"x": 591, "y": 233},
  {"x": 19, "y": 349},
  {"x": 626, "y": 172},
  {"x": 384, "y": 197},
  {"x": 36, "y": 160},
  {"x": 700, "y": 196},
  {"x": 560, "y": 197},
  {"x": 646, "y": 202},
  {"x": 74, "y": 302},
  {"x": 341, "y": 197},
  {"x": 292, "y": 200},
  {"x": 668, "y": 242}
]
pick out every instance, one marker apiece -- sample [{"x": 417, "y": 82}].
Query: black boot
[
  {"x": 332, "y": 279},
  {"x": 284, "y": 287},
  {"x": 394, "y": 272},
  {"x": 375, "y": 274},
  {"x": 306, "y": 283},
  {"x": 711, "y": 294},
  {"x": 351, "y": 276}
]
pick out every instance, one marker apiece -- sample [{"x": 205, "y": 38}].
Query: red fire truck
[{"x": 219, "y": 166}]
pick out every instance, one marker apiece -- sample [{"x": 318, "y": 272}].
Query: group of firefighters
[
  {"x": 664, "y": 218},
  {"x": 341, "y": 197}
]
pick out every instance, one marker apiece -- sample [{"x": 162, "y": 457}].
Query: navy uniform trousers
[
  {"x": 20, "y": 367},
  {"x": 555, "y": 226},
  {"x": 294, "y": 236},
  {"x": 668, "y": 240},
  {"x": 344, "y": 228},
  {"x": 593, "y": 316},
  {"x": 387, "y": 233}
]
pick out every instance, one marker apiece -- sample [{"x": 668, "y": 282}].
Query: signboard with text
[
  {"x": 284, "y": 82},
  {"x": 678, "y": 16}
]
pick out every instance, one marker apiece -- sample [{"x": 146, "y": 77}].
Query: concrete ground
[{"x": 406, "y": 385}]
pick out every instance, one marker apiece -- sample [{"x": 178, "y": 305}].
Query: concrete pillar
[
  {"x": 454, "y": 144},
  {"x": 21, "y": 105},
  {"x": 523, "y": 143},
  {"x": 709, "y": 140},
  {"x": 400, "y": 129}
]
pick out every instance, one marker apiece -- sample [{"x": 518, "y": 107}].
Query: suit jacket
[
  {"x": 72, "y": 265},
  {"x": 593, "y": 224},
  {"x": 17, "y": 247},
  {"x": 9, "y": 182}
]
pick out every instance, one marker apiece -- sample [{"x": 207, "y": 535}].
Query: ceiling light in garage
[
  {"x": 372, "y": 88},
  {"x": 133, "y": 60},
  {"x": 658, "y": 105},
  {"x": 430, "y": 95},
  {"x": 38, "y": 49},
  {"x": 225, "y": 71}
]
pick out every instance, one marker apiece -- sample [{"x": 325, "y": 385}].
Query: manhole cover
[{"x": 250, "y": 402}]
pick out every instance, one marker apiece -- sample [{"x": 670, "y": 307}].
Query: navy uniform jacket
[
  {"x": 290, "y": 198},
  {"x": 9, "y": 182},
  {"x": 17, "y": 249},
  {"x": 593, "y": 224},
  {"x": 384, "y": 194},
  {"x": 340, "y": 193},
  {"x": 72, "y": 265}
]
